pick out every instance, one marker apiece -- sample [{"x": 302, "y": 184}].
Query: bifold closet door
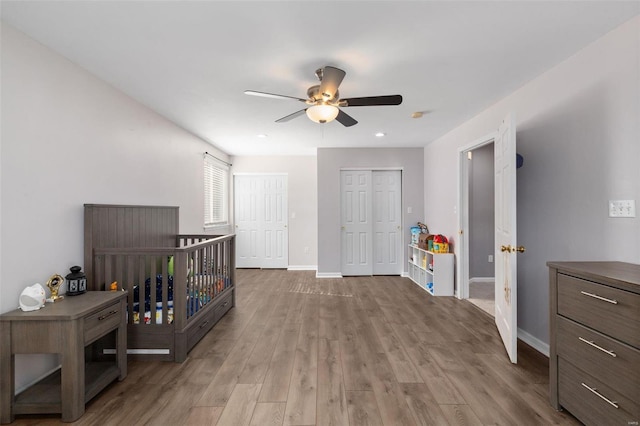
[
  {"x": 260, "y": 211},
  {"x": 357, "y": 224},
  {"x": 371, "y": 222},
  {"x": 387, "y": 222}
]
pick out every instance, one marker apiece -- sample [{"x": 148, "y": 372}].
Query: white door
[
  {"x": 357, "y": 225},
  {"x": 261, "y": 221},
  {"x": 387, "y": 222},
  {"x": 246, "y": 194},
  {"x": 275, "y": 222},
  {"x": 505, "y": 236}
]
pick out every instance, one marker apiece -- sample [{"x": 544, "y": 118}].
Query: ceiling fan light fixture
[{"x": 322, "y": 113}]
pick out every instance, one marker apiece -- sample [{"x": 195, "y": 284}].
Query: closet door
[
  {"x": 261, "y": 221},
  {"x": 274, "y": 229},
  {"x": 246, "y": 199},
  {"x": 387, "y": 222},
  {"x": 357, "y": 225},
  {"x": 371, "y": 222}
]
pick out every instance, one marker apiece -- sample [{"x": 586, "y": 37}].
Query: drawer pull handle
[
  {"x": 595, "y": 391},
  {"x": 100, "y": 318},
  {"x": 204, "y": 324},
  {"x": 595, "y": 296},
  {"x": 225, "y": 304},
  {"x": 592, "y": 343}
]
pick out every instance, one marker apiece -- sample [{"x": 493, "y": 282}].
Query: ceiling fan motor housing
[{"x": 314, "y": 95}]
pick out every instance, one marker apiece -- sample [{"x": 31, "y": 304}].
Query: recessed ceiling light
[
  {"x": 262, "y": 135},
  {"x": 380, "y": 134}
]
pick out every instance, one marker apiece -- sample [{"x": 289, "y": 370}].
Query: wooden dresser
[
  {"x": 68, "y": 328},
  {"x": 594, "y": 363}
]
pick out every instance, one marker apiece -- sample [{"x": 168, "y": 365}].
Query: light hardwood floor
[{"x": 297, "y": 350}]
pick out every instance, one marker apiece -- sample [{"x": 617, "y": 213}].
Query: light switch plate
[{"x": 622, "y": 208}]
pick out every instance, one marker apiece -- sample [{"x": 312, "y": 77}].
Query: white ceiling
[{"x": 191, "y": 61}]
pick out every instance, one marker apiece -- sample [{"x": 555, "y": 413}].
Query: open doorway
[
  {"x": 481, "y": 235},
  {"x": 476, "y": 251}
]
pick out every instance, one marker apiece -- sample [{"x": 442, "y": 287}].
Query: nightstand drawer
[
  {"x": 593, "y": 402},
  {"x": 613, "y": 312},
  {"x": 100, "y": 323},
  {"x": 602, "y": 357}
]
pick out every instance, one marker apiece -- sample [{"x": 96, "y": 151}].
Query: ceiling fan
[{"x": 324, "y": 99}]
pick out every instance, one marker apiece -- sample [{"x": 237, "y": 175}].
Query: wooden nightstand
[{"x": 68, "y": 328}]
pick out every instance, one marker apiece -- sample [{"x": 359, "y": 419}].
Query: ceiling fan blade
[
  {"x": 372, "y": 101},
  {"x": 331, "y": 79},
  {"x": 345, "y": 119},
  {"x": 291, "y": 116},
  {"x": 272, "y": 95}
]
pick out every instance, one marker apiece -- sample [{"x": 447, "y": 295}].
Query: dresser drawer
[
  {"x": 613, "y": 312},
  {"x": 586, "y": 398},
  {"x": 100, "y": 323},
  {"x": 602, "y": 357}
]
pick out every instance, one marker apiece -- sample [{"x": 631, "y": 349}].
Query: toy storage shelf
[{"x": 433, "y": 272}]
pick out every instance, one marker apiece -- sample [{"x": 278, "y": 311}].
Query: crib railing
[
  {"x": 167, "y": 286},
  {"x": 184, "y": 240}
]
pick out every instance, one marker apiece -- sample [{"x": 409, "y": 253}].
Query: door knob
[
  {"x": 508, "y": 249},
  {"x": 519, "y": 249}
]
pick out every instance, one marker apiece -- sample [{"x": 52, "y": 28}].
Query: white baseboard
[
  {"x": 328, "y": 275},
  {"x": 534, "y": 342},
  {"x": 302, "y": 268},
  {"x": 481, "y": 280},
  {"x": 404, "y": 275}
]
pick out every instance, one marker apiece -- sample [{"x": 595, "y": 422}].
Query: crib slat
[
  {"x": 152, "y": 289},
  {"x": 141, "y": 289},
  {"x": 128, "y": 285},
  {"x": 165, "y": 290}
]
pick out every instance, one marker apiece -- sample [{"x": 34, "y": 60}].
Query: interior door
[
  {"x": 274, "y": 226},
  {"x": 261, "y": 221},
  {"x": 246, "y": 194},
  {"x": 387, "y": 222},
  {"x": 357, "y": 226},
  {"x": 506, "y": 299}
]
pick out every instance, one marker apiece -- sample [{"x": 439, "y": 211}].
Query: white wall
[
  {"x": 69, "y": 139},
  {"x": 578, "y": 130},
  {"x": 302, "y": 201},
  {"x": 330, "y": 162}
]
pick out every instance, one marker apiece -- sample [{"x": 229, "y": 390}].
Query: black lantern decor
[{"x": 76, "y": 281}]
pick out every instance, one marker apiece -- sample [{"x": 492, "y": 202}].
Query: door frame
[
  {"x": 402, "y": 200},
  {"x": 462, "y": 246}
]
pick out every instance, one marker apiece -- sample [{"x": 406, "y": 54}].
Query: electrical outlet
[
  {"x": 306, "y": 250},
  {"x": 622, "y": 208},
  {"x": 490, "y": 258}
]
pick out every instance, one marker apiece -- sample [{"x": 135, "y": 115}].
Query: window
[{"x": 216, "y": 192}]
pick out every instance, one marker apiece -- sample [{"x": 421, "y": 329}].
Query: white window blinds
[{"x": 216, "y": 192}]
